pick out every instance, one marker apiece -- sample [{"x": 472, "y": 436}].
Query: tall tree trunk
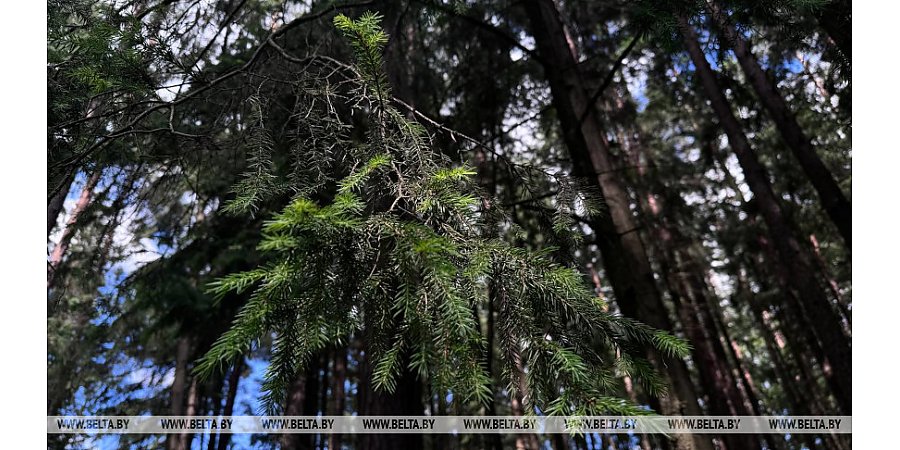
[
  {"x": 68, "y": 233},
  {"x": 624, "y": 255},
  {"x": 215, "y": 400},
  {"x": 527, "y": 441},
  {"x": 303, "y": 401},
  {"x": 406, "y": 400},
  {"x": 338, "y": 396},
  {"x": 679, "y": 269},
  {"x": 234, "y": 379},
  {"x": 814, "y": 305},
  {"x": 833, "y": 200},
  {"x": 690, "y": 296},
  {"x": 193, "y": 400},
  {"x": 832, "y": 283},
  {"x": 494, "y": 440},
  {"x": 56, "y": 202},
  {"x": 179, "y": 384}
]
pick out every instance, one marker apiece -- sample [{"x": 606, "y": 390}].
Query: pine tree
[{"x": 399, "y": 250}]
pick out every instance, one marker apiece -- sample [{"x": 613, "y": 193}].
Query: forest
[{"x": 449, "y": 208}]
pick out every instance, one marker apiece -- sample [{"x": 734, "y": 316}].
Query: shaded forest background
[{"x": 690, "y": 161}]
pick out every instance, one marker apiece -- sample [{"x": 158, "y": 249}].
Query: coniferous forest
[{"x": 449, "y": 207}]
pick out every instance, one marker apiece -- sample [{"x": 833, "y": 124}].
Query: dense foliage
[{"x": 410, "y": 207}]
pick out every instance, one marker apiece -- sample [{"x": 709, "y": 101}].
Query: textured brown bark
[
  {"x": 68, "y": 233},
  {"x": 815, "y": 307},
  {"x": 625, "y": 257},
  {"x": 836, "y": 205}
]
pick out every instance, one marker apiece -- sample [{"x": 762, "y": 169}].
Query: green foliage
[
  {"x": 367, "y": 40},
  {"x": 398, "y": 251},
  {"x": 93, "y": 50},
  {"x": 259, "y": 182}
]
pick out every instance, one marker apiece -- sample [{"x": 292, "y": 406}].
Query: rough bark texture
[
  {"x": 815, "y": 307},
  {"x": 833, "y": 200}
]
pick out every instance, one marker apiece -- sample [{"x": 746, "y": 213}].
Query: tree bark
[
  {"x": 234, "y": 379},
  {"x": 184, "y": 440},
  {"x": 406, "y": 400},
  {"x": 624, "y": 254},
  {"x": 68, "y": 233},
  {"x": 528, "y": 441},
  {"x": 55, "y": 205},
  {"x": 303, "y": 401},
  {"x": 338, "y": 396},
  {"x": 816, "y": 309},
  {"x": 179, "y": 384},
  {"x": 836, "y": 205},
  {"x": 681, "y": 272}
]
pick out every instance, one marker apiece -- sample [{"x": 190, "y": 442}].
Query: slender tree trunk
[
  {"x": 688, "y": 291},
  {"x": 832, "y": 283},
  {"x": 494, "y": 440},
  {"x": 814, "y": 305},
  {"x": 215, "y": 400},
  {"x": 338, "y": 396},
  {"x": 689, "y": 297},
  {"x": 833, "y": 200},
  {"x": 234, "y": 379},
  {"x": 56, "y": 202},
  {"x": 624, "y": 255},
  {"x": 184, "y": 440},
  {"x": 527, "y": 441},
  {"x": 68, "y": 233},
  {"x": 179, "y": 384}
]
